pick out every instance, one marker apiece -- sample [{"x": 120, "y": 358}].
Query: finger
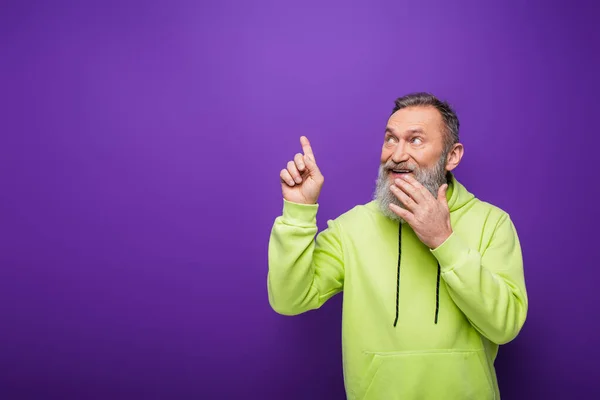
[
  {"x": 410, "y": 190},
  {"x": 408, "y": 202},
  {"x": 306, "y": 148},
  {"x": 420, "y": 189},
  {"x": 299, "y": 160},
  {"x": 291, "y": 167},
  {"x": 402, "y": 213},
  {"x": 286, "y": 177},
  {"x": 442, "y": 193}
]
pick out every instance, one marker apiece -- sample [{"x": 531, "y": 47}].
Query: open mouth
[
  {"x": 396, "y": 173},
  {"x": 399, "y": 171}
]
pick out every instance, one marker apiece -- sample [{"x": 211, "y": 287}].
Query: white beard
[{"x": 431, "y": 179}]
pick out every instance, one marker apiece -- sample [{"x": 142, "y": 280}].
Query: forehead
[{"x": 427, "y": 118}]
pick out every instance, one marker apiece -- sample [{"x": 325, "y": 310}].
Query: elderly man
[{"x": 432, "y": 276}]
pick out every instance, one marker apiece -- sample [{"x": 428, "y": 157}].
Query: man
[{"x": 432, "y": 277}]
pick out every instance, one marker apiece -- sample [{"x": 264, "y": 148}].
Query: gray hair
[{"x": 449, "y": 116}]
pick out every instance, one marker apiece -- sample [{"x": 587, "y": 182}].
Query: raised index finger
[{"x": 306, "y": 147}]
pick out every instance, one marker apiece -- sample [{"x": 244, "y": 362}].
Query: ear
[{"x": 454, "y": 156}]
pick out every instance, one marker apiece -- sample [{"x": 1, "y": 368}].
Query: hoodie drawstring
[
  {"x": 437, "y": 294},
  {"x": 437, "y": 285},
  {"x": 398, "y": 273}
]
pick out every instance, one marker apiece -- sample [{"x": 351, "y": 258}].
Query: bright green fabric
[{"x": 482, "y": 295}]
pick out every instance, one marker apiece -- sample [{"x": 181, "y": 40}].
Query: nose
[{"x": 400, "y": 155}]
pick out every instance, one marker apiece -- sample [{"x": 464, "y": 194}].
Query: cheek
[
  {"x": 427, "y": 158},
  {"x": 385, "y": 154}
]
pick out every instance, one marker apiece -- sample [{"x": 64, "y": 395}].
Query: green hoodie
[{"x": 454, "y": 305}]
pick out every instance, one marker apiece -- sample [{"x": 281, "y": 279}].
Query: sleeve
[
  {"x": 489, "y": 288},
  {"x": 304, "y": 271}
]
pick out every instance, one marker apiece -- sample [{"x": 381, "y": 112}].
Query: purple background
[{"x": 140, "y": 149}]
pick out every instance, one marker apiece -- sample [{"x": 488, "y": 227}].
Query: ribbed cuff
[
  {"x": 450, "y": 252},
  {"x": 299, "y": 214}
]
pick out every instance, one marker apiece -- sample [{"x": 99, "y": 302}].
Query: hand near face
[
  {"x": 302, "y": 181},
  {"x": 429, "y": 217}
]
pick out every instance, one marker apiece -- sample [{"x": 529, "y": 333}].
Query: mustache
[{"x": 403, "y": 165}]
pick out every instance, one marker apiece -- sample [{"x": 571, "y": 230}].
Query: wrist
[{"x": 440, "y": 240}]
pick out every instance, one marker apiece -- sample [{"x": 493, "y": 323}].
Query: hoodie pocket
[{"x": 430, "y": 375}]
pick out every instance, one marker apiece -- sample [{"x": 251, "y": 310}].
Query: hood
[{"x": 457, "y": 195}]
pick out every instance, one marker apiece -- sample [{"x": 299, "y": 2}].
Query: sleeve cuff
[
  {"x": 299, "y": 214},
  {"x": 450, "y": 252}
]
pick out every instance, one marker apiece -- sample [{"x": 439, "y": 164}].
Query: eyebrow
[{"x": 412, "y": 130}]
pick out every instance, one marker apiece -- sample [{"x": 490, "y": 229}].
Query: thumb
[
  {"x": 311, "y": 165},
  {"x": 442, "y": 193}
]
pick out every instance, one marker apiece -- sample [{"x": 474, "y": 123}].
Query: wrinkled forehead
[{"x": 423, "y": 119}]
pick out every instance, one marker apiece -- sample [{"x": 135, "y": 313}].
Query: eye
[
  {"x": 390, "y": 140},
  {"x": 416, "y": 140}
]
